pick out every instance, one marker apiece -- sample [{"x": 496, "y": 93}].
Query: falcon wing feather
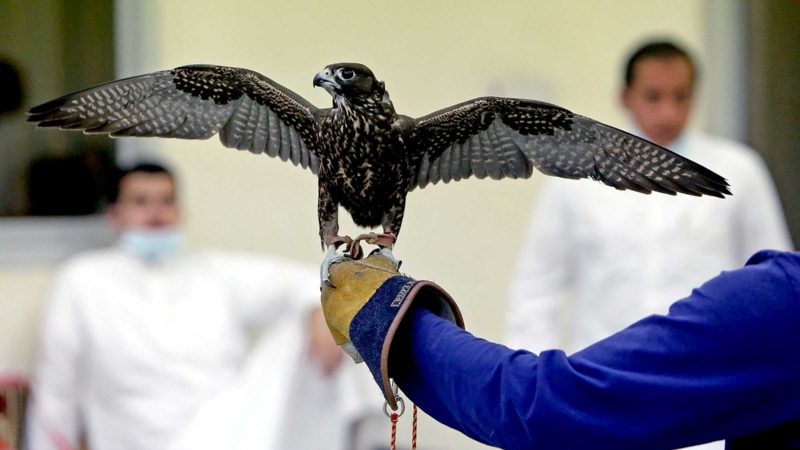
[
  {"x": 248, "y": 110},
  {"x": 507, "y": 138}
]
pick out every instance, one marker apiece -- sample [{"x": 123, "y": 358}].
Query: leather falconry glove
[{"x": 365, "y": 309}]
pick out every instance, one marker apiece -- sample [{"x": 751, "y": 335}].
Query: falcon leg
[{"x": 391, "y": 222}]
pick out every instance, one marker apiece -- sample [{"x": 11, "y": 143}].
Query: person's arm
[
  {"x": 541, "y": 282},
  {"x": 722, "y": 363},
  {"x": 54, "y": 417},
  {"x": 272, "y": 289},
  {"x": 265, "y": 289}
]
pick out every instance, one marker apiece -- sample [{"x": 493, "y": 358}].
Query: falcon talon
[
  {"x": 387, "y": 253},
  {"x": 331, "y": 258}
]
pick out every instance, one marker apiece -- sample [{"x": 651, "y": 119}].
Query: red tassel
[
  {"x": 394, "y": 431},
  {"x": 414, "y": 429}
]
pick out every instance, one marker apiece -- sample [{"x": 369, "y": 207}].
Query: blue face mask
[{"x": 151, "y": 245}]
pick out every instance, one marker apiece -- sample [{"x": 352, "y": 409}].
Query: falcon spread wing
[
  {"x": 507, "y": 138},
  {"x": 248, "y": 110}
]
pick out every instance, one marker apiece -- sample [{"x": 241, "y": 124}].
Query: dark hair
[
  {"x": 12, "y": 92},
  {"x": 149, "y": 168},
  {"x": 659, "y": 50}
]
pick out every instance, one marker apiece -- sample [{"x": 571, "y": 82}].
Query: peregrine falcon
[{"x": 367, "y": 156}]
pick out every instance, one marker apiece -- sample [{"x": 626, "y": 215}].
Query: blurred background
[{"x": 464, "y": 236}]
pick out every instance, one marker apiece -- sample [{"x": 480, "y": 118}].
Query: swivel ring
[{"x": 401, "y": 407}]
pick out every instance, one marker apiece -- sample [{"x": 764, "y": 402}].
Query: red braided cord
[
  {"x": 394, "y": 431},
  {"x": 414, "y": 429}
]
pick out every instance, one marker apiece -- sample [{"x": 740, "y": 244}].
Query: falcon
[{"x": 367, "y": 156}]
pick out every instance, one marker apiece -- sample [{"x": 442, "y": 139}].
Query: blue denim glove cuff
[{"x": 374, "y": 326}]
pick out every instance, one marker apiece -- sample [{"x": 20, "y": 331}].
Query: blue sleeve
[{"x": 724, "y": 362}]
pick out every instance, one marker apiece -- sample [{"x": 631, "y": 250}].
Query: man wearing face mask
[
  {"x": 139, "y": 337},
  {"x": 597, "y": 260},
  {"x": 614, "y": 257}
]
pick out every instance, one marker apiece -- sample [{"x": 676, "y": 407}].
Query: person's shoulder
[
  {"x": 91, "y": 261},
  {"x": 788, "y": 262},
  {"x": 767, "y": 285},
  {"x": 742, "y": 166},
  {"x": 723, "y": 149},
  {"x": 81, "y": 272},
  {"x": 774, "y": 270}
]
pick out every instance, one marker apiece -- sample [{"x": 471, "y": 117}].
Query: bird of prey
[{"x": 367, "y": 156}]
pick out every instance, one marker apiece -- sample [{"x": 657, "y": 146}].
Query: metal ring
[{"x": 401, "y": 407}]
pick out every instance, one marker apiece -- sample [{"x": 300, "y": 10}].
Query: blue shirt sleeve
[{"x": 724, "y": 362}]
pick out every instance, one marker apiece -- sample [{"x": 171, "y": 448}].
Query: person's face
[
  {"x": 660, "y": 97},
  {"x": 146, "y": 200}
]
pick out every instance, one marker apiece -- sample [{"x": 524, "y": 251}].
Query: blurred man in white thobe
[
  {"x": 595, "y": 260},
  {"x": 141, "y": 341}
]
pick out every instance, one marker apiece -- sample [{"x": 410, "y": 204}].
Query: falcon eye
[{"x": 347, "y": 74}]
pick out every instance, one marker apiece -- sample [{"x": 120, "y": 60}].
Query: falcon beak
[{"x": 325, "y": 80}]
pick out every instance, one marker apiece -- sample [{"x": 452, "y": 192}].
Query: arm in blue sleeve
[{"x": 724, "y": 362}]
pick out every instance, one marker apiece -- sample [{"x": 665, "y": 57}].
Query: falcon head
[{"x": 349, "y": 80}]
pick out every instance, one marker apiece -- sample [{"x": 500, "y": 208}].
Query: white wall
[{"x": 430, "y": 54}]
